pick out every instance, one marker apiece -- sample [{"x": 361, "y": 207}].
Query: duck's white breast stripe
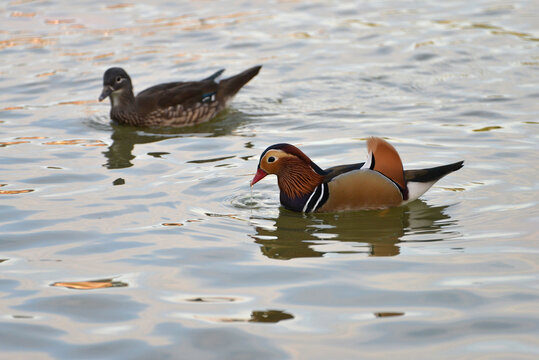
[
  {"x": 368, "y": 164},
  {"x": 308, "y": 201},
  {"x": 320, "y": 197}
]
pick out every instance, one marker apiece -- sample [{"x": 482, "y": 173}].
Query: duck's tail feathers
[
  {"x": 432, "y": 174},
  {"x": 215, "y": 77},
  {"x": 386, "y": 160},
  {"x": 419, "y": 181},
  {"x": 230, "y": 86}
]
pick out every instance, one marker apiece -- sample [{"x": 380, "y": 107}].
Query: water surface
[{"x": 126, "y": 243}]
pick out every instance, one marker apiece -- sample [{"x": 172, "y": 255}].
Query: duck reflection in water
[
  {"x": 124, "y": 138},
  {"x": 374, "y": 232}
]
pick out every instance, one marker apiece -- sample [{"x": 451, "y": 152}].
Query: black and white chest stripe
[{"x": 318, "y": 198}]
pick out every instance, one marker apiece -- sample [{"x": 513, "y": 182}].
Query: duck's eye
[
  {"x": 119, "y": 79},
  {"x": 271, "y": 159}
]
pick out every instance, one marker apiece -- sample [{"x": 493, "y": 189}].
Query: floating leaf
[
  {"x": 13, "y": 192},
  {"x": 212, "y": 299},
  {"x": 21, "y": 14},
  {"x": 454, "y": 189},
  {"x": 388, "y": 314},
  {"x": 6, "y": 143},
  {"x": 91, "y": 284},
  {"x": 488, "y": 128},
  {"x": 12, "y": 108}
]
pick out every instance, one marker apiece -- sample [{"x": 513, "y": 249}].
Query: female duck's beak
[
  {"x": 107, "y": 90},
  {"x": 260, "y": 174}
]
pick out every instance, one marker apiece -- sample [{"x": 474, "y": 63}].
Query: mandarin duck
[
  {"x": 170, "y": 104},
  {"x": 380, "y": 182}
]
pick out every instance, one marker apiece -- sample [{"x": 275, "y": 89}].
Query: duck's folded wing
[
  {"x": 341, "y": 169},
  {"x": 186, "y": 94},
  {"x": 361, "y": 189}
]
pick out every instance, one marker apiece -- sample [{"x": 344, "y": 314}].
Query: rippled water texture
[{"x": 126, "y": 243}]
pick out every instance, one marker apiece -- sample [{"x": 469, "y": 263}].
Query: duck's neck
[
  {"x": 123, "y": 109},
  {"x": 123, "y": 98},
  {"x": 296, "y": 183}
]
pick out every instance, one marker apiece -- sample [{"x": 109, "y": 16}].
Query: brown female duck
[
  {"x": 170, "y": 104},
  {"x": 379, "y": 182}
]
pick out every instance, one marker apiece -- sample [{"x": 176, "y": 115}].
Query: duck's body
[
  {"x": 378, "y": 183},
  {"x": 170, "y": 104}
]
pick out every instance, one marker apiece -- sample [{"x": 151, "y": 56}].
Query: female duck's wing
[
  {"x": 194, "y": 94},
  {"x": 186, "y": 94}
]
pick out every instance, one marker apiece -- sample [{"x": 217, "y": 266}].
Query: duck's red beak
[{"x": 260, "y": 174}]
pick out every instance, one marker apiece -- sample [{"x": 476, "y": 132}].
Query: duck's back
[{"x": 178, "y": 103}]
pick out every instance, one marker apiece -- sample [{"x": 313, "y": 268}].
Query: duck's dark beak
[
  {"x": 260, "y": 174},
  {"x": 107, "y": 90}
]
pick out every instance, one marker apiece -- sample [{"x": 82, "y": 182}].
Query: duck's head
[
  {"x": 115, "y": 81},
  {"x": 296, "y": 173}
]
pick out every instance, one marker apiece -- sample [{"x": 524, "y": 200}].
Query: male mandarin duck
[
  {"x": 170, "y": 104},
  {"x": 379, "y": 182}
]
